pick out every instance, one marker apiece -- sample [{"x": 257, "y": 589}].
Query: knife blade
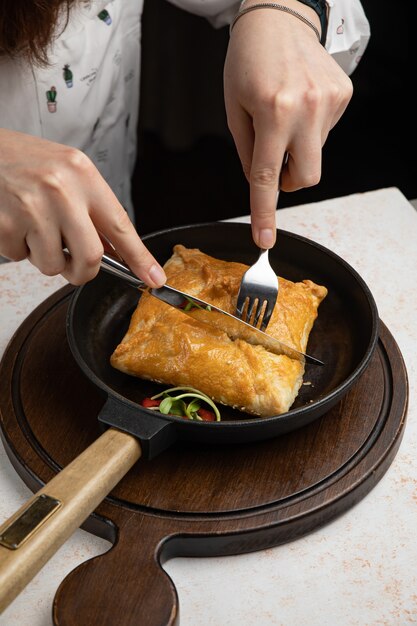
[{"x": 208, "y": 313}]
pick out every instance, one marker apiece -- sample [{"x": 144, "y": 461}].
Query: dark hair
[{"x": 27, "y": 28}]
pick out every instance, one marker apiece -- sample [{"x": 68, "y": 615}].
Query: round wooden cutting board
[{"x": 191, "y": 500}]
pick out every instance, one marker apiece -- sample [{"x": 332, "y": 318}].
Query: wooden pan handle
[{"x": 43, "y": 525}]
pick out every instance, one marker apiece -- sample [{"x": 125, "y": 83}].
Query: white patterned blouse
[{"x": 88, "y": 96}]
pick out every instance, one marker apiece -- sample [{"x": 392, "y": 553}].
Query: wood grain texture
[
  {"x": 191, "y": 500},
  {"x": 79, "y": 488}
]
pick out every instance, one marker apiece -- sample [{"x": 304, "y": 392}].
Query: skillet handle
[{"x": 42, "y": 525}]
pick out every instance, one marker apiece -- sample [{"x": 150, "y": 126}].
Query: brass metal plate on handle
[{"x": 33, "y": 516}]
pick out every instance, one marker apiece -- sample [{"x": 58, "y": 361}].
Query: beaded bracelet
[{"x": 278, "y": 7}]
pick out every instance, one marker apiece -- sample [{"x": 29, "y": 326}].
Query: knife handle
[{"x": 120, "y": 270}]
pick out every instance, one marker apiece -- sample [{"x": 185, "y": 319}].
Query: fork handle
[
  {"x": 263, "y": 256},
  {"x": 120, "y": 270}
]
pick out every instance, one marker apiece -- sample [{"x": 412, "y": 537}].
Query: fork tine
[
  {"x": 263, "y": 311},
  {"x": 257, "y": 293},
  {"x": 240, "y": 305},
  {"x": 242, "y": 296},
  {"x": 252, "y": 304},
  {"x": 259, "y": 312},
  {"x": 267, "y": 314},
  {"x": 239, "y": 310}
]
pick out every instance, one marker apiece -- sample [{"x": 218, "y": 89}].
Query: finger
[
  {"x": 12, "y": 241},
  {"x": 45, "y": 250},
  {"x": 339, "y": 97},
  {"x": 110, "y": 218},
  {"x": 305, "y": 151},
  {"x": 134, "y": 252},
  {"x": 85, "y": 249},
  {"x": 240, "y": 125},
  {"x": 268, "y": 155},
  {"x": 303, "y": 168},
  {"x": 336, "y": 114},
  {"x": 108, "y": 246},
  {"x": 321, "y": 113}
]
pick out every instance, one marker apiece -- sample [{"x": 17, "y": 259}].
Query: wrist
[{"x": 320, "y": 7}]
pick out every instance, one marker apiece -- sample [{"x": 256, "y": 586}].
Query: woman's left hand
[{"x": 283, "y": 94}]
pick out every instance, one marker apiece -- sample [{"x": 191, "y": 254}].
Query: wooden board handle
[
  {"x": 127, "y": 584},
  {"x": 78, "y": 488}
]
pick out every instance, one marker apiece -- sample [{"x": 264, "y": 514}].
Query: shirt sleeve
[
  {"x": 348, "y": 31},
  {"x": 218, "y": 12}
]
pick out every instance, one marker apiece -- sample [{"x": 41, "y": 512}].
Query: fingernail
[
  {"x": 266, "y": 238},
  {"x": 157, "y": 275}
]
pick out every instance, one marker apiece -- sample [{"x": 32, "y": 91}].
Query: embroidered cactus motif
[
  {"x": 68, "y": 75},
  {"x": 51, "y": 99},
  {"x": 341, "y": 29},
  {"x": 104, "y": 15}
]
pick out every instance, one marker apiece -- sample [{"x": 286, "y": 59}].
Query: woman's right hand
[{"x": 53, "y": 197}]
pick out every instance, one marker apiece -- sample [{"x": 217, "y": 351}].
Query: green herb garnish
[
  {"x": 194, "y": 305},
  {"x": 173, "y": 403}
]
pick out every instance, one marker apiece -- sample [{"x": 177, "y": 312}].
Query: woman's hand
[
  {"x": 52, "y": 197},
  {"x": 283, "y": 94}
]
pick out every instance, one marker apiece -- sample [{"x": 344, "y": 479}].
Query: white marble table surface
[{"x": 359, "y": 570}]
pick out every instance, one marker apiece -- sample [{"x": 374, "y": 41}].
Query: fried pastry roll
[{"x": 165, "y": 345}]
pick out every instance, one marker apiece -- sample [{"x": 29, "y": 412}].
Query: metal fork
[{"x": 258, "y": 293}]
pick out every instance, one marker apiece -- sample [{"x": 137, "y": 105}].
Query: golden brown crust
[{"x": 165, "y": 345}]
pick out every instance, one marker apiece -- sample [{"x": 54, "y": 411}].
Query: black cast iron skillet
[{"x": 344, "y": 338}]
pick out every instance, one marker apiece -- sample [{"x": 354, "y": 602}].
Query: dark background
[{"x": 188, "y": 170}]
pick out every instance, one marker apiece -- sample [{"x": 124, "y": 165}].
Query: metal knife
[{"x": 234, "y": 327}]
